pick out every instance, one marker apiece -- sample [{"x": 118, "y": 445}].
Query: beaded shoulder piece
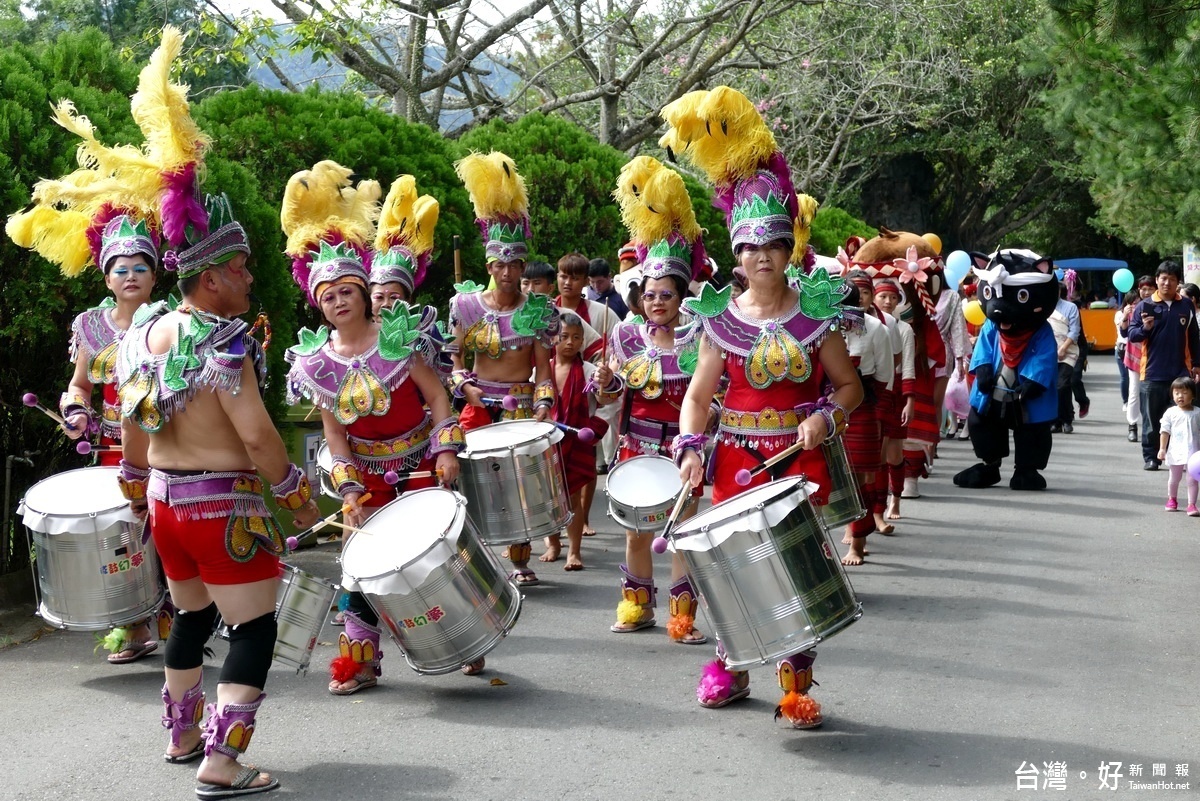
[
  {"x": 95, "y": 338},
  {"x": 354, "y": 387},
  {"x": 770, "y": 350},
  {"x": 490, "y": 332},
  {"x": 208, "y": 354},
  {"x": 649, "y": 368}
]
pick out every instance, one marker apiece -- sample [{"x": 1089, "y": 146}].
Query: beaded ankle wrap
[
  {"x": 183, "y": 715},
  {"x": 795, "y": 679},
  {"x": 228, "y": 731},
  {"x": 294, "y": 491},
  {"x": 358, "y": 648},
  {"x": 683, "y": 608},
  {"x": 638, "y": 596}
]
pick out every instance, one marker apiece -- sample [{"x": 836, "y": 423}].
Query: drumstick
[
  {"x": 31, "y": 400},
  {"x": 343, "y": 527},
  {"x": 660, "y": 542},
  {"x": 84, "y": 448},
  {"x": 509, "y": 402},
  {"x": 744, "y": 476},
  {"x": 310, "y": 413},
  {"x": 394, "y": 478},
  {"x": 585, "y": 434},
  {"x": 293, "y": 541}
]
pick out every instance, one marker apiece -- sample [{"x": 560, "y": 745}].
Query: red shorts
[{"x": 191, "y": 548}]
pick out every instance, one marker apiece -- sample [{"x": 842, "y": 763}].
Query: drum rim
[
  {"x": 460, "y": 515},
  {"x": 24, "y": 503},
  {"x": 483, "y": 453},
  {"x": 617, "y": 469},
  {"x": 689, "y": 527}
]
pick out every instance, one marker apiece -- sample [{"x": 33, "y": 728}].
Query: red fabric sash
[
  {"x": 581, "y": 309},
  {"x": 579, "y": 459},
  {"x": 1012, "y": 347}
]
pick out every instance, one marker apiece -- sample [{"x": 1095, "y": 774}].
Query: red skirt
[
  {"x": 863, "y": 440},
  {"x": 923, "y": 425},
  {"x": 731, "y": 458}
]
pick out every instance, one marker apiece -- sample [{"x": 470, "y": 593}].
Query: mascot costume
[{"x": 1015, "y": 365}]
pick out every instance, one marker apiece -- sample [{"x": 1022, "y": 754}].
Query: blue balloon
[
  {"x": 958, "y": 264},
  {"x": 1123, "y": 280},
  {"x": 1059, "y": 274}
]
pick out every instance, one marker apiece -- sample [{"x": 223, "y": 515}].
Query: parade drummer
[
  {"x": 218, "y": 543},
  {"x": 372, "y": 378},
  {"x": 508, "y": 334},
  {"x": 776, "y": 346},
  {"x": 655, "y": 360}
]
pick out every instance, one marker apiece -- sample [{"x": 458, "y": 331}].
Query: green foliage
[
  {"x": 38, "y": 305},
  {"x": 833, "y": 226},
  {"x": 570, "y": 178},
  {"x": 273, "y": 135},
  {"x": 1135, "y": 139}
]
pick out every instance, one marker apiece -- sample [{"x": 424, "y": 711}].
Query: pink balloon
[{"x": 1193, "y": 466}]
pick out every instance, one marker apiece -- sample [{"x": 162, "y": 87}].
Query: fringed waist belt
[
  {"x": 398, "y": 453},
  {"x": 650, "y": 436},
  {"x": 202, "y": 494}
]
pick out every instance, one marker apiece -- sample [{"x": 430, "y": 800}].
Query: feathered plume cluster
[
  {"x": 720, "y": 132},
  {"x": 155, "y": 182},
  {"x": 324, "y": 204},
  {"x": 655, "y": 205},
  {"x": 497, "y": 190},
  {"x": 408, "y": 221}
]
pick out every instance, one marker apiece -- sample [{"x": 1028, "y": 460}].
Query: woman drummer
[
  {"x": 647, "y": 357},
  {"x": 372, "y": 388},
  {"x": 776, "y": 346},
  {"x": 128, "y": 257}
]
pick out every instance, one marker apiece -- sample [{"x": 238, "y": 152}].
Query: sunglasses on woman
[{"x": 666, "y": 297}]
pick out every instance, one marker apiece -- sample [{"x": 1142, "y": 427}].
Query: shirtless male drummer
[
  {"x": 200, "y": 474},
  {"x": 510, "y": 334}
]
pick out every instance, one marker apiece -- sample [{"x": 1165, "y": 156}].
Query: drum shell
[
  {"x": 845, "y": 502},
  {"x": 476, "y": 604},
  {"x": 772, "y": 593},
  {"x": 644, "y": 518},
  {"x": 96, "y": 564},
  {"x": 324, "y": 463},
  {"x": 515, "y": 497},
  {"x": 95, "y": 580},
  {"x": 302, "y": 605}
]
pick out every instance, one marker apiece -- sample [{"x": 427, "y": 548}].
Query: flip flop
[
  {"x": 690, "y": 640},
  {"x": 139, "y": 650},
  {"x": 525, "y": 577},
  {"x": 363, "y": 684},
  {"x": 190, "y": 756},
  {"x": 616, "y": 628},
  {"x": 241, "y": 786}
]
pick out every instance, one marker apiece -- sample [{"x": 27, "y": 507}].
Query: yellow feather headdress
[
  {"x": 657, "y": 210},
  {"x": 404, "y": 241},
  {"x": 501, "y": 204}
]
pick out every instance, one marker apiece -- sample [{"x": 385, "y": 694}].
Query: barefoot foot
[
  {"x": 893, "y": 509},
  {"x": 574, "y": 562},
  {"x": 882, "y": 525},
  {"x": 588, "y": 531},
  {"x": 553, "y": 549},
  {"x": 855, "y": 555}
]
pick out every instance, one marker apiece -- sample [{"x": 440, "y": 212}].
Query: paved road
[{"x": 1000, "y": 629}]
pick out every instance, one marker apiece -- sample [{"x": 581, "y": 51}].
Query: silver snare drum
[
  {"x": 641, "y": 492},
  {"x": 768, "y": 575},
  {"x": 302, "y": 604},
  {"x": 325, "y": 470},
  {"x": 438, "y": 589},
  {"x": 512, "y": 476},
  {"x": 96, "y": 564},
  {"x": 845, "y": 503}
]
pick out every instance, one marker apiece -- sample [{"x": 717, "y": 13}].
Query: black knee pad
[
  {"x": 189, "y": 633},
  {"x": 251, "y": 646},
  {"x": 359, "y": 606}
]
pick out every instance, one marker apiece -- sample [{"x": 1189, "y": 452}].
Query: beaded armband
[
  {"x": 75, "y": 403},
  {"x": 688, "y": 442},
  {"x": 294, "y": 491},
  {"x": 346, "y": 477},
  {"x": 615, "y": 387},
  {"x": 835, "y": 416},
  {"x": 447, "y": 436},
  {"x": 543, "y": 394},
  {"x": 460, "y": 379},
  {"x": 133, "y": 481}
]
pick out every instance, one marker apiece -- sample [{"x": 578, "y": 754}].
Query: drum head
[
  {"x": 521, "y": 437},
  {"x": 644, "y": 481},
  {"x": 777, "y": 498},
  {"x": 403, "y": 532},
  {"x": 77, "y": 493},
  {"x": 325, "y": 457}
]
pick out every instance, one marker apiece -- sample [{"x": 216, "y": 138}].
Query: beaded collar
[{"x": 492, "y": 332}]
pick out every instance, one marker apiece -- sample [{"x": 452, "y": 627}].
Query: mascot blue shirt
[{"x": 1034, "y": 366}]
